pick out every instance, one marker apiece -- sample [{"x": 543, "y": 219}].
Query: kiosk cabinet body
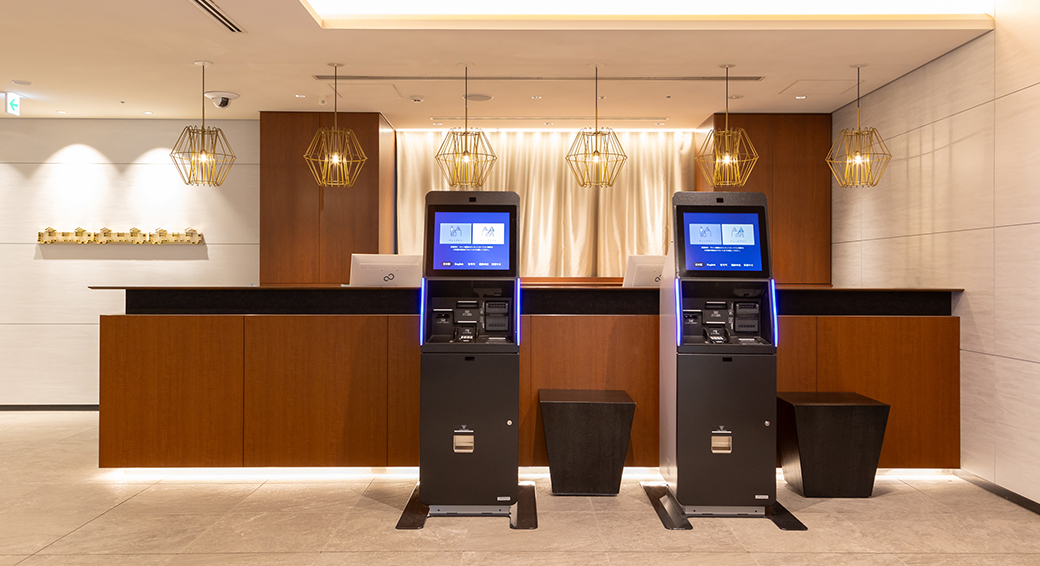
[
  {"x": 469, "y": 362},
  {"x": 718, "y": 362}
]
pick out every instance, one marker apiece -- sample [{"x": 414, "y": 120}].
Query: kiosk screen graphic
[
  {"x": 470, "y": 241},
  {"x": 722, "y": 241}
]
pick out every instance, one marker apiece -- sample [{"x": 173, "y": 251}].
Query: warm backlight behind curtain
[{"x": 565, "y": 230}]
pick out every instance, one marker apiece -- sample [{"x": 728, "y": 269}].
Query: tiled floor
[{"x": 58, "y": 508}]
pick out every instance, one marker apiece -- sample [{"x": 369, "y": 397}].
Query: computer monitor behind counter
[{"x": 470, "y": 241}]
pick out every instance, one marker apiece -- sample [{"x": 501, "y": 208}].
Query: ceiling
[{"x": 121, "y": 58}]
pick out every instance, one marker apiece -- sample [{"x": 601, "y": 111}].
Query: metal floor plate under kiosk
[
  {"x": 469, "y": 400},
  {"x": 718, "y": 364}
]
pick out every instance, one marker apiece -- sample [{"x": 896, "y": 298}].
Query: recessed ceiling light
[
  {"x": 21, "y": 82},
  {"x": 437, "y": 123},
  {"x": 535, "y": 97},
  {"x": 477, "y": 97},
  {"x": 548, "y": 123},
  {"x": 669, "y": 96},
  {"x": 61, "y": 112},
  {"x": 659, "y": 123},
  {"x": 800, "y": 97},
  {"x": 301, "y": 96},
  {"x": 602, "y": 97},
  {"x": 148, "y": 112},
  {"x": 736, "y": 96}
]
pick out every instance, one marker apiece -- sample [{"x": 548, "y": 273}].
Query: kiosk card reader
[
  {"x": 469, "y": 400},
  {"x": 718, "y": 357}
]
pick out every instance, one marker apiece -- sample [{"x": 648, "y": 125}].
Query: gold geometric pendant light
[
  {"x": 727, "y": 156},
  {"x": 466, "y": 156},
  {"x": 858, "y": 157},
  {"x": 203, "y": 155},
  {"x": 335, "y": 156},
  {"x": 596, "y": 156}
]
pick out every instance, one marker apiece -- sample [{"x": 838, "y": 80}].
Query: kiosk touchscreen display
[
  {"x": 723, "y": 244},
  {"x": 470, "y": 243}
]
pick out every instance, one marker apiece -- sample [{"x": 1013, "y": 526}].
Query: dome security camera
[{"x": 221, "y": 99}]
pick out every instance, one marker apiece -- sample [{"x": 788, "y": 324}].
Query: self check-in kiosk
[
  {"x": 470, "y": 362},
  {"x": 718, "y": 361}
]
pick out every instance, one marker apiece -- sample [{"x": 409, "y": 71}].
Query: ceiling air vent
[{"x": 216, "y": 13}]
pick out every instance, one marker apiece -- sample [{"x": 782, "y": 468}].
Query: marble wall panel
[
  {"x": 978, "y": 414},
  {"x": 846, "y": 267},
  {"x": 38, "y": 140},
  {"x": 959, "y": 260},
  {"x": 956, "y": 173},
  {"x": 1017, "y": 428},
  {"x": 49, "y": 364},
  {"x": 48, "y": 284},
  {"x": 1017, "y": 162},
  {"x": 1017, "y": 269},
  {"x": 1017, "y": 45},
  {"x": 146, "y": 196},
  {"x": 959, "y": 80},
  {"x": 115, "y": 174}
]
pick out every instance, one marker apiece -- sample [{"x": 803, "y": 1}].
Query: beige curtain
[{"x": 565, "y": 230}]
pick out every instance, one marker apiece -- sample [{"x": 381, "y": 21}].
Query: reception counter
[{"x": 329, "y": 376}]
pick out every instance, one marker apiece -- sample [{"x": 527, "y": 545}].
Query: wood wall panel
[
  {"x": 387, "y": 187},
  {"x": 307, "y": 234},
  {"x": 793, "y": 175},
  {"x": 911, "y": 363},
  {"x": 171, "y": 391},
  {"x": 289, "y": 216},
  {"x": 350, "y": 218},
  {"x": 800, "y": 207},
  {"x": 316, "y": 391},
  {"x": 402, "y": 412},
  {"x": 796, "y": 354},
  {"x": 592, "y": 352}
]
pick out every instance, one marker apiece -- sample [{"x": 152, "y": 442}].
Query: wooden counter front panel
[
  {"x": 402, "y": 409},
  {"x": 316, "y": 391},
  {"x": 911, "y": 363},
  {"x": 591, "y": 352},
  {"x": 171, "y": 391},
  {"x": 796, "y": 354}
]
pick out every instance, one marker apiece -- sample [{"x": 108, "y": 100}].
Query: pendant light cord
[
  {"x": 204, "y": 99},
  {"x": 465, "y": 127},
  {"x": 857, "y": 97},
  {"x": 335, "y": 98},
  {"x": 727, "y": 98},
  {"x": 597, "y": 99}
]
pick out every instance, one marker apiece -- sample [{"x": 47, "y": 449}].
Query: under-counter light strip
[{"x": 595, "y": 9}]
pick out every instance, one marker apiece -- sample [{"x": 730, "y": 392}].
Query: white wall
[
  {"x": 116, "y": 174},
  {"x": 960, "y": 207}
]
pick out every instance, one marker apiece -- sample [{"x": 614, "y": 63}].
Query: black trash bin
[{"x": 586, "y": 439}]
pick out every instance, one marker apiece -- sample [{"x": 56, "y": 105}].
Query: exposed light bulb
[
  {"x": 203, "y": 157},
  {"x": 726, "y": 159},
  {"x": 334, "y": 158},
  {"x": 465, "y": 157},
  {"x": 595, "y": 157}
]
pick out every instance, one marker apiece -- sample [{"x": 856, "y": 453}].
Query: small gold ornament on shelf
[{"x": 107, "y": 236}]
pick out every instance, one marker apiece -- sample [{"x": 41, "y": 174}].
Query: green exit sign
[{"x": 14, "y": 104}]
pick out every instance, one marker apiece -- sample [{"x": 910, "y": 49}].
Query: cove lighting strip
[{"x": 595, "y": 9}]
